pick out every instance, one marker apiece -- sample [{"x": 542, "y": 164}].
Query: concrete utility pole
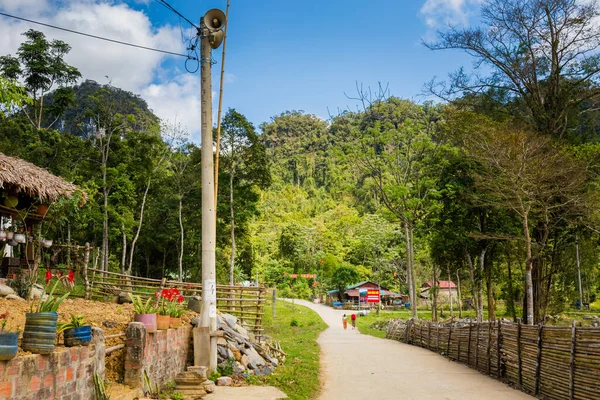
[{"x": 211, "y": 36}]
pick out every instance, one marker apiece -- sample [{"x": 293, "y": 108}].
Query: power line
[
  {"x": 170, "y": 7},
  {"x": 99, "y": 37}
]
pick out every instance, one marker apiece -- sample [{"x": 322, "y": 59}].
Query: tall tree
[
  {"x": 541, "y": 53},
  {"x": 40, "y": 64}
]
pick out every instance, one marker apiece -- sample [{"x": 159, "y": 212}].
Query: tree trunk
[
  {"x": 182, "y": 238},
  {"x": 490, "y": 289},
  {"x": 511, "y": 292},
  {"x": 232, "y": 215},
  {"x": 528, "y": 269},
  {"x": 124, "y": 253},
  {"x": 479, "y": 278},
  {"x": 137, "y": 234},
  {"x": 433, "y": 290},
  {"x": 105, "y": 228},
  {"x": 408, "y": 231},
  {"x": 459, "y": 296},
  {"x": 450, "y": 291},
  {"x": 473, "y": 282}
]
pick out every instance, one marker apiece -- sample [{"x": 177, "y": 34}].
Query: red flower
[
  {"x": 48, "y": 276},
  {"x": 157, "y": 295},
  {"x": 180, "y": 299},
  {"x": 175, "y": 292},
  {"x": 71, "y": 276},
  {"x": 166, "y": 293}
]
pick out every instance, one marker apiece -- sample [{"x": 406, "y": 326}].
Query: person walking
[
  {"x": 353, "y": 318},
  {"x": 345, "y": 321}
]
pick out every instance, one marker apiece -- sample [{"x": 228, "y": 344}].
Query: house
[
  {"x": 446, "y": 289},
  {"x": 359, "y": 291}
]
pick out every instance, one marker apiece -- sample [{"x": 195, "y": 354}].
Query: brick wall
[
  {"x": 66, "y": 374},
  {"x": 162, "y": 355}
]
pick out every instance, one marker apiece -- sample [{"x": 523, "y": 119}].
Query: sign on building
[{"x": 373, "y": 296}]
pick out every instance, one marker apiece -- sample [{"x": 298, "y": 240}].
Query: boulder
[
  {"x": 14, "y": 297},
  {"x": 224, "y": 381},
  {"x": 237, "y": 354},
  {"x": 230, "y": 320},
  {"x": 244, "y": 361},
  {"x": 255, "y": 360},
  {"x": 238, "y": 368},
  {"x": 5, "y": 290}
]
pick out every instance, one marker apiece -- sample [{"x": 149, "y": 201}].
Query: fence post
[
  {"x": 458, "y": 346},
  {"x": 437, "y": 324},
  {"x": 538, "y": 365},
  {"x": 489, "y": 348},
  {"x": 477, "y": 346},
  {"x": 572, "y": 363},
  {"x": 86, "y": 261},
  {"x": 498, "y": 347},
  {"x": 449, "y": 340},
  {"x": 469, "y": 344},
  {"x": 519, "y": 354},
  {"x": 406, "y": 331},
  {"x": 428, "y": 335}
]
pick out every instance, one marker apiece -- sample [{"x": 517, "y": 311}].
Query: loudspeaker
[
  {"x": 214, "y": 19},
  {"x": 215, "y": 39}
]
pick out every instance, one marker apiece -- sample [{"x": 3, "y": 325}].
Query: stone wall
[
  {"x": 66, "y": 374},
  {"x": 162, "y": 355}
]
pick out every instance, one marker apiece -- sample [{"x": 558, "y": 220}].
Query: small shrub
[
  {"x": 294, "y": 322},
  {"x": 226, "y": 367}
]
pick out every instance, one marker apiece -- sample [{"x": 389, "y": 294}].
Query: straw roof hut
[{"x": 20, "y": 176}]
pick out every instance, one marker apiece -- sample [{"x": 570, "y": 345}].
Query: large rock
[
  {"x": 5, "y": 290},
  {"x": 255, "y": 360},
  {"x": 230, "y": 320},
  {"x": 14, "y": 297},
  {"x": 224, "y": 381},
  {"x": 242, "y": 331},
  {"x": 237, "y": 354},
  {"x": 245, "y": 360},
  {"x": 238, "y": 368}
]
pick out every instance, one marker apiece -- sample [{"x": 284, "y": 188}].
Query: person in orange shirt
[{"x": 345, "y": 321}]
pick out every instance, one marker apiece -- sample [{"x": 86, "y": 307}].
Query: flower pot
[
  {"x": 42, "y": 209},
  {"x": 149, "y": 320},
  {"x": 175, "y": 323},
  {"x": 19, "y": 238},
  {"x": 8, "y": 345},
  {"x": 162, "y": 322},
  {"x": 195, "y": 305},
  {"x": 81, "y": 336},
  {"x": 40, "y": 332}
]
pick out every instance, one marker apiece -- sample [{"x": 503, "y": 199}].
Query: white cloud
[
  {"x": 171, "y": 95},
  {"x": 439, "y": 13}
]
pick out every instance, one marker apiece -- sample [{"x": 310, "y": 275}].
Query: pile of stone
[
  {"x": 9, "y": 293},
  {"x": 193, "y": 383},
  {"x": 240, "y": 349}
]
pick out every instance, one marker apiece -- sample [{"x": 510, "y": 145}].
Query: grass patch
[{"x": 298, "y": 377}]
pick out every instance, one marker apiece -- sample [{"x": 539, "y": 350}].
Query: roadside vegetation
[{"x": 296, "y": 328}]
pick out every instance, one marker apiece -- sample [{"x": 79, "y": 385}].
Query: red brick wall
[
  {"x": 162, "y": 355},
  {"x": 66, "y": 374}
]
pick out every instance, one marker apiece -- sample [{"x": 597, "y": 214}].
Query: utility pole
[{"x": 211, "y": 35}]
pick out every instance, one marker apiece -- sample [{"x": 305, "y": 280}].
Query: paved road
[{"x": 356, "y": 366}]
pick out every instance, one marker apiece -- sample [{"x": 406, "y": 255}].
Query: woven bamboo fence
[
  {"x": 549, "y": 362},
  {"x": 246, "y": 303}
]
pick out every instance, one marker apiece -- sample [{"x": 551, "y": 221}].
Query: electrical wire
[
  {"x": 99, "y": 37},
  {"x": 170, "y": 7}
]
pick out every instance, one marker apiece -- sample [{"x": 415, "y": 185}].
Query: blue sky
[{"x": 281, "y": 55}]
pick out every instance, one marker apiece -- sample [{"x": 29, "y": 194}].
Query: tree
[
  {"x": 542, "y": 54},
  {"x": 342, "y": 277},
  {"x": 244, "y": 158},
  {"x": 12, "y": 96},
  {"x": 526, "y": 174},
  {"x": 40, "y": 64}
]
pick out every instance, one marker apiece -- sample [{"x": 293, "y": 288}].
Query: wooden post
[
  {"x": 406, "y": 331},
  {"x": 469, "y": 344},
  {"x": 274, "y": 301},
  {"x": 449, "y": 341},
  {"x": 86, "y": 261},
  {"x": 519, "y": 354},
  {"x": 437, "y": 324},
  {"x": 242, "y": 304},
  {"x": 420, "y": 335},
  {"x": 489, "y": 349},
  {"x": 428, "y": 335},
  {"x": 477, "y": 345},
  {"x": 572, "y": 363},
  {"x": 538, "y": 365},
  {"x": 498, "y": 347},
  {"x": 258, "y": 313},
  {"x": 458, "y": 347}
]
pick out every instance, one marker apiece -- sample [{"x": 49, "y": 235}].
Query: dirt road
[{"x": 356, "y": 366}]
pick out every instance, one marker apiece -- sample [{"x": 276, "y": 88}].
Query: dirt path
[{"x": 356, "y": 366}]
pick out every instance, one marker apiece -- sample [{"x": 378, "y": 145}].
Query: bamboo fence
[
  {"x": 549, "y": 362},
  {"x": 246, "y": 303}
]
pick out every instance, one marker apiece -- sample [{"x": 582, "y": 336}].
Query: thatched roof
[{"x": 23, "y": 176}]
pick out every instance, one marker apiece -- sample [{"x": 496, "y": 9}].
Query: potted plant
[
  {"x": 144, "y": 312},
  {"x": 176, "y": 310},
  {"x": 76, "y": 332},
  {"x": 163, "y": 319},
  {"x": 40, "y": 326},
  {"x": 8, "y": 340}
]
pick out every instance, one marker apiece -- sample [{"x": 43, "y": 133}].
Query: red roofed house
[{"x": 447, "y": 288}]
